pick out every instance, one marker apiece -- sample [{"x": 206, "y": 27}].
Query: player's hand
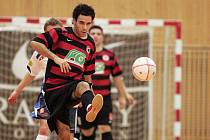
[
  {"x": 122, "y": 102},
  {"x": 13, "y": 97},
  {"x": 130, "y": 99},
  {"x": 64, "y": 65}
]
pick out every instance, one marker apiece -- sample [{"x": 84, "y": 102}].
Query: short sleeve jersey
[
  {"x": 80, "y": 54},
  {"x": 106, "y": 66}
]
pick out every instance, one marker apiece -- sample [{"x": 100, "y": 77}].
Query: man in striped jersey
[
  {"x": 71, "y": 53},
  {"x": 106, "y": 66}
]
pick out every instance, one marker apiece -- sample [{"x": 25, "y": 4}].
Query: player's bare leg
[
  {"x": 64, "y": 131},
  {"x": 105, "y": 132},
  {"x": 43, "y": 128}
]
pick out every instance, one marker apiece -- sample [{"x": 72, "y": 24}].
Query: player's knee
[
  {"x": 104, "y": 128},
  {"x": 64, "y": 131},
  {"x": 65, "y": 134},
  {"x": 82, "y": 87},
  {"x": 88, "y": 132}
]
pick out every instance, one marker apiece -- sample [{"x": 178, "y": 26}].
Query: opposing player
[
  {"x": 36, "y": 64},
  {"x": 71, "y": 53},
  {"x": 106, "y": 66}
]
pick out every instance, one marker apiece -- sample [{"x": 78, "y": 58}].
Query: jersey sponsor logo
[
  {"x": 99, "y": 68},
  {"x": 20, "y": 61},
  {"x": 76, "y": 57}
]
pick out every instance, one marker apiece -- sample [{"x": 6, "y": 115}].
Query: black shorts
[
  {"x": 104, "y": 117},
  {"x": 59, "y": 101}
]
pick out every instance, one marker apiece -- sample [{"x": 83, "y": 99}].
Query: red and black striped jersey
[
  {"x": 106, "y": 65},
  {"x": 80, "y": 54}
]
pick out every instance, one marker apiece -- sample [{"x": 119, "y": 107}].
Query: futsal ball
[{"x": 144, "y": 68}]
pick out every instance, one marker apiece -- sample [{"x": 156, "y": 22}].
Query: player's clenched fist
[{"x": 13, "y": 97}]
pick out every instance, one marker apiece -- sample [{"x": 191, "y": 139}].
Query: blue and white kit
[{"x": 36, "y": 64}]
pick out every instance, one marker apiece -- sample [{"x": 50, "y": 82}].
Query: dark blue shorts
[{"x": 40, "y": 108}]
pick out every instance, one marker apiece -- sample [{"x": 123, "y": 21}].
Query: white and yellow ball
[{"x": 144, "y": 69}]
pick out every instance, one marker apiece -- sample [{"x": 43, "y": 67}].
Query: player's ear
[{"x": 74, "y": 21}]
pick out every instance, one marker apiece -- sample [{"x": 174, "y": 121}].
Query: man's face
[
  {"x": 97, "y": 35},
  {"x": 49, "y": 27},
  {"x": 82, "y": 25}
]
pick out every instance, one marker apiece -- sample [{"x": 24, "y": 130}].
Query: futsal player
[
  {"x": 71, "y": 53},
  {"x": 106, "y": 66}
]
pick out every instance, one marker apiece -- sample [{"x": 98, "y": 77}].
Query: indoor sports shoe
[{"x": 95, "y": 107}]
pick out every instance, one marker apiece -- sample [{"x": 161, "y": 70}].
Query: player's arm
[
  {"x": 34, "y": 66},
  {"x": 43, "y": 50},
  {"x": 123, "y": 94},
  {"x": 41, "y": 45},
  {"x": 119, "y": 83},
  {"x": 24, "y": 82}
]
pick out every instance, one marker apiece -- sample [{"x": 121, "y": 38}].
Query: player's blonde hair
[{"x": 52, "y": 22}]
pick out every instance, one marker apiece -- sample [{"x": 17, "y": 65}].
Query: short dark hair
[
  {"x": 52, "y": 22},
  {"x": 96, "y": 27},
  {"x": 83, "y": 9}
]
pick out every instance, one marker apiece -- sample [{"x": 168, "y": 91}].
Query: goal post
[{"x": 157, "y": 111}]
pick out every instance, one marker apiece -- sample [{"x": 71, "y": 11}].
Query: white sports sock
[
  {"x": 87, "y": 109},
  {"x": 41, "y": 137}
]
